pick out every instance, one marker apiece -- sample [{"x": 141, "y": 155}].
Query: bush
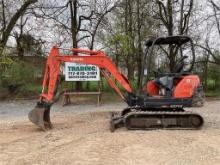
[{"x": 20, "y": 75}]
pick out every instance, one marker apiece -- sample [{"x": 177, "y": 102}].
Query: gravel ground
[{"x": 81, "y": 136}]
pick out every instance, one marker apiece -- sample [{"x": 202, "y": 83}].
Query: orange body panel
[
  {"x": 151, "y": 88},
  {"x": 186, "y": 87}
]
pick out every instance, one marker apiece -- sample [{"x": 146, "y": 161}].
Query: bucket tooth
[{"x": 40, "y": 116}]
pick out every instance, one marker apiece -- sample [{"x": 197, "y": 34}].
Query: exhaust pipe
[{"x": 40, "y": 115}]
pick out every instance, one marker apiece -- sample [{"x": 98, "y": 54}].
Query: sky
[{"x": 46, "y": 29}]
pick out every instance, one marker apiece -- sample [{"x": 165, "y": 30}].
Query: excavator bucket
[{"x": 40, "y": 116}]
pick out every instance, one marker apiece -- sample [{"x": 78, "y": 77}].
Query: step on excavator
[{"x": 160, "y": 104}]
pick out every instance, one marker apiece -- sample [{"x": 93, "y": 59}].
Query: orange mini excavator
[{"x": 159, "y": 105}]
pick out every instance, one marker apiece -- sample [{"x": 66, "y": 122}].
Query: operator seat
[{"x": 166, "y": 80}]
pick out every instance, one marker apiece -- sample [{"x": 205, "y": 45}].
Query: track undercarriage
[{"x": 136, "y": 118}]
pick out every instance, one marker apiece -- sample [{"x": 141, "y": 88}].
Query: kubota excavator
[{"x": 160, "y": 104}]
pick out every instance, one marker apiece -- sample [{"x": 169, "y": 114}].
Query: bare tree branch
[
  {"x": 208, "y": 49},
  {"x": 12, "y": 23}
]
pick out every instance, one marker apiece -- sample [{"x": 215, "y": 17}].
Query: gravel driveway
[{"x": 81, "y": 136}]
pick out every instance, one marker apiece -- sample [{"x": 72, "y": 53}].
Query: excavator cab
[
  {"x": 165, "y": 82},
  {"x": 163, "y": 99},
  {"x": 179, "y": 82}
]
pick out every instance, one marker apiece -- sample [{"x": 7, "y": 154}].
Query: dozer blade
[
  {"x": 40, "y": 116},
  {"x": 116, "y": 122}
]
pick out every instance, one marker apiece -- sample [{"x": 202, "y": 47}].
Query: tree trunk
[
  {"x": 205, "y": 74},
  {"x": 139, "y": 52},
  {"x": 171, "y": 58},
  {"x": 130, "y": 69},
  {"x": 170, "y": 17},
  {"x": 132, "y": 54},
  {"x": 20, "y": 49},
  {"x": 74, "y": 31},
  {"x": 170, "y": 33},
  {"x": 73, "y": 12},
  {"x": 18, "y": 38}
]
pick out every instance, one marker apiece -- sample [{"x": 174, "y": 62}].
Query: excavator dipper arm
[{"x": 40, "y": 115}]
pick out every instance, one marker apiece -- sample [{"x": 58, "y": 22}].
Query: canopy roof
[{"x": 178, "y": 40}]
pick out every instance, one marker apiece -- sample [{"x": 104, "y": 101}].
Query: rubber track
[{"x": 162, "y": 120}]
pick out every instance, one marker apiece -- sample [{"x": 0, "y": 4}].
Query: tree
[
  {"x": 180, "y": 11},
  {"x": 78, "y": 20},
  {"x": 7, "y": 26},
  {"x": 27, "y": 44},
  {"x": 208, "y": 46},
  {"x": 216, "y": 10},
  {"x": 126, "y": 35},
  {"x": 19, "y": 36}
]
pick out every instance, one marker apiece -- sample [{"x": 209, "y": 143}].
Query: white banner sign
[{"x": 81, "y": 72}]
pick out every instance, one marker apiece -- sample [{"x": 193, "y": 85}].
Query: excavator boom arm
[
  {"x": 40, "y": 115},
  {"x": 97, "y": 58}
]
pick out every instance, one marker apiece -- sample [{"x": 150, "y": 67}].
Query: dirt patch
[{"x": 81, "y": 136}]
